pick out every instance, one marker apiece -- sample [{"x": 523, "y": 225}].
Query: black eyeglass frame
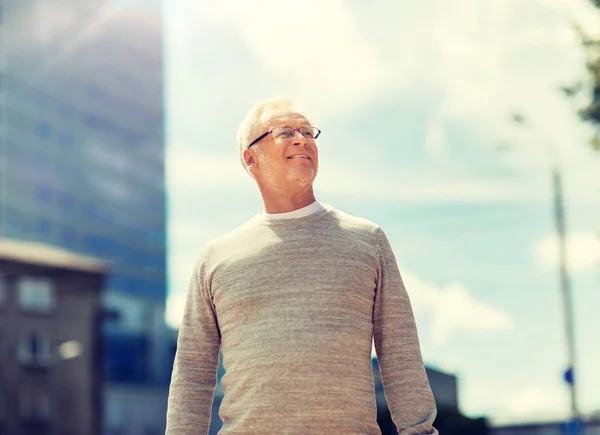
[{"x": 262, "y": 136}]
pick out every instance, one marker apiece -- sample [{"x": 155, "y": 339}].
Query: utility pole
[{"x": 571, "y": 373}]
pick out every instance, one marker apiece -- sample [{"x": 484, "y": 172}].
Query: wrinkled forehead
[{"x": 283, "y": 119}]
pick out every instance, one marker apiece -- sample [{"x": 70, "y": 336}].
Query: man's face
[{"x": 285, "y": 163}]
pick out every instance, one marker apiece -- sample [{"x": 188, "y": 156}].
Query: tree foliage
[{"x": 591, "y": 111}]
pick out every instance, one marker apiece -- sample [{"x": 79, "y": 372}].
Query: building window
[
  {"x": 66, "y": 139},
  {"x": 2, "y": 354},
  {"x": 34, "y": 405},
  {"x": 68, "y": 237},
  {"x": 36, "y": 294},
  {"x": 3, "y": 411},
  {"x": 43, "y": 130},
  {"x": 43, "y": 194},
  {"x": 127, "y": 357},
  {"x": 34, "y": 350},
  {"x": 66, "y": 202},
  {"x": 3, "y": 291},
  {"x": 43, "y": 227},
  {"x": 66, "y": 110}
]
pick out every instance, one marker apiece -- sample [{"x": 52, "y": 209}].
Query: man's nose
[{"x": 298, "y": 138}]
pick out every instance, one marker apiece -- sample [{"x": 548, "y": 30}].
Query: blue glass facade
[{"x": 82, "y": 148}]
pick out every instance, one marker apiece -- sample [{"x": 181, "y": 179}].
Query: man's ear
[{"x": 249, "y": 158}]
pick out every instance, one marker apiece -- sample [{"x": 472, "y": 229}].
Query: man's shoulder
[
  {"x": 354, "y": 222},
  {"x": 224, "y": 249},
  {"x": 243, "y": 233}
]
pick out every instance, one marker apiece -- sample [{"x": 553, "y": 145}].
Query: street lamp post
[
  {"x": 570, "y": 374},
  {"x": 565, "y": 286}
]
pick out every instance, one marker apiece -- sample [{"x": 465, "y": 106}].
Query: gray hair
[{"x": 248, "y": 129}]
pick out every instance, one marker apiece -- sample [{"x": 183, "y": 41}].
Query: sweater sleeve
[
  {"x": 194, "y": 371},
  {"x": 405, "y": 382}
]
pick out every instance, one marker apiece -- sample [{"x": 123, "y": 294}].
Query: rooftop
[{"x": 42, "y": 254}]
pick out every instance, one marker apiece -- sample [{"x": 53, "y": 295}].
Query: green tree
[{"x": 590, "y": 112}]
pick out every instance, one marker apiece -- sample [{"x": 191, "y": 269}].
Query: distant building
[
  {"x": 50, "y": 346},
  {"x": 548, "y": 428},
  {"x": 82, "y": 163},
  {"x": 444, "y": 387},
  {"x": 131, "y": 409}
]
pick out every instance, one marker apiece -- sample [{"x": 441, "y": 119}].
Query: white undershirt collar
[{"x": 301, "y": 212}]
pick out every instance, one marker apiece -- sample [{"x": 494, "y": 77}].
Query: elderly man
[{"x": 293, "y": 299}]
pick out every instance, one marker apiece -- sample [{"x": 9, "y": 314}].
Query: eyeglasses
[{"x": 286, "y": 133}]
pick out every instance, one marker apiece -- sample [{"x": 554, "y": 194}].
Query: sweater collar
[{"x": 301, "y": 212}]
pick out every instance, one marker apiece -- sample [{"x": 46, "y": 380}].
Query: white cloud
[
  {"x": 457, "y": 309},
  {"x": 536, "y": 400},
  {"x": 453, "y": 309},
  {"x": 313, "y": 49},
  {"x": 436, "y": 144},
  {"x": 193, "y": 170},
  {"x": 581, "y": 12},
  {"x": 421, "y": 186},
  {"x": 447, "y": 361},
  {"x": 512, "y": 58},
  {"x": 582, "y": 251},
  {"x": 480, "y": 71},
  {"x": 529, "y": 403},
  {"x": 514, "y": 403}
]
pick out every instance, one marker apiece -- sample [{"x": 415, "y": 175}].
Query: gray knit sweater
[{"x": 293, "y": 305}]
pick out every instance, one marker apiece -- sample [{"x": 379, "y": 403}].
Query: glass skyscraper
[{"x": 82, "y": 156}]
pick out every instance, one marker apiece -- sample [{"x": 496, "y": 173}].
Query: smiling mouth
[{"x": 299, "y": 156}]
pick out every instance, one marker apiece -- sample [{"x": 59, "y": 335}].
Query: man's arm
[
  {"x": 194, "y": 371},
  {"x": 405, "y": 382}
]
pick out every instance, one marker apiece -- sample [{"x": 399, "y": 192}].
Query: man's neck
[{"x": 277, "y": 203}]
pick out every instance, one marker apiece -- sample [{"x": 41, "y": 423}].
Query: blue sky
[{"x": 413, "y": 99}]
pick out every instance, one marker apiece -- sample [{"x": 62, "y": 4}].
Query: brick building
[{"x": 50, "y": 352}]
